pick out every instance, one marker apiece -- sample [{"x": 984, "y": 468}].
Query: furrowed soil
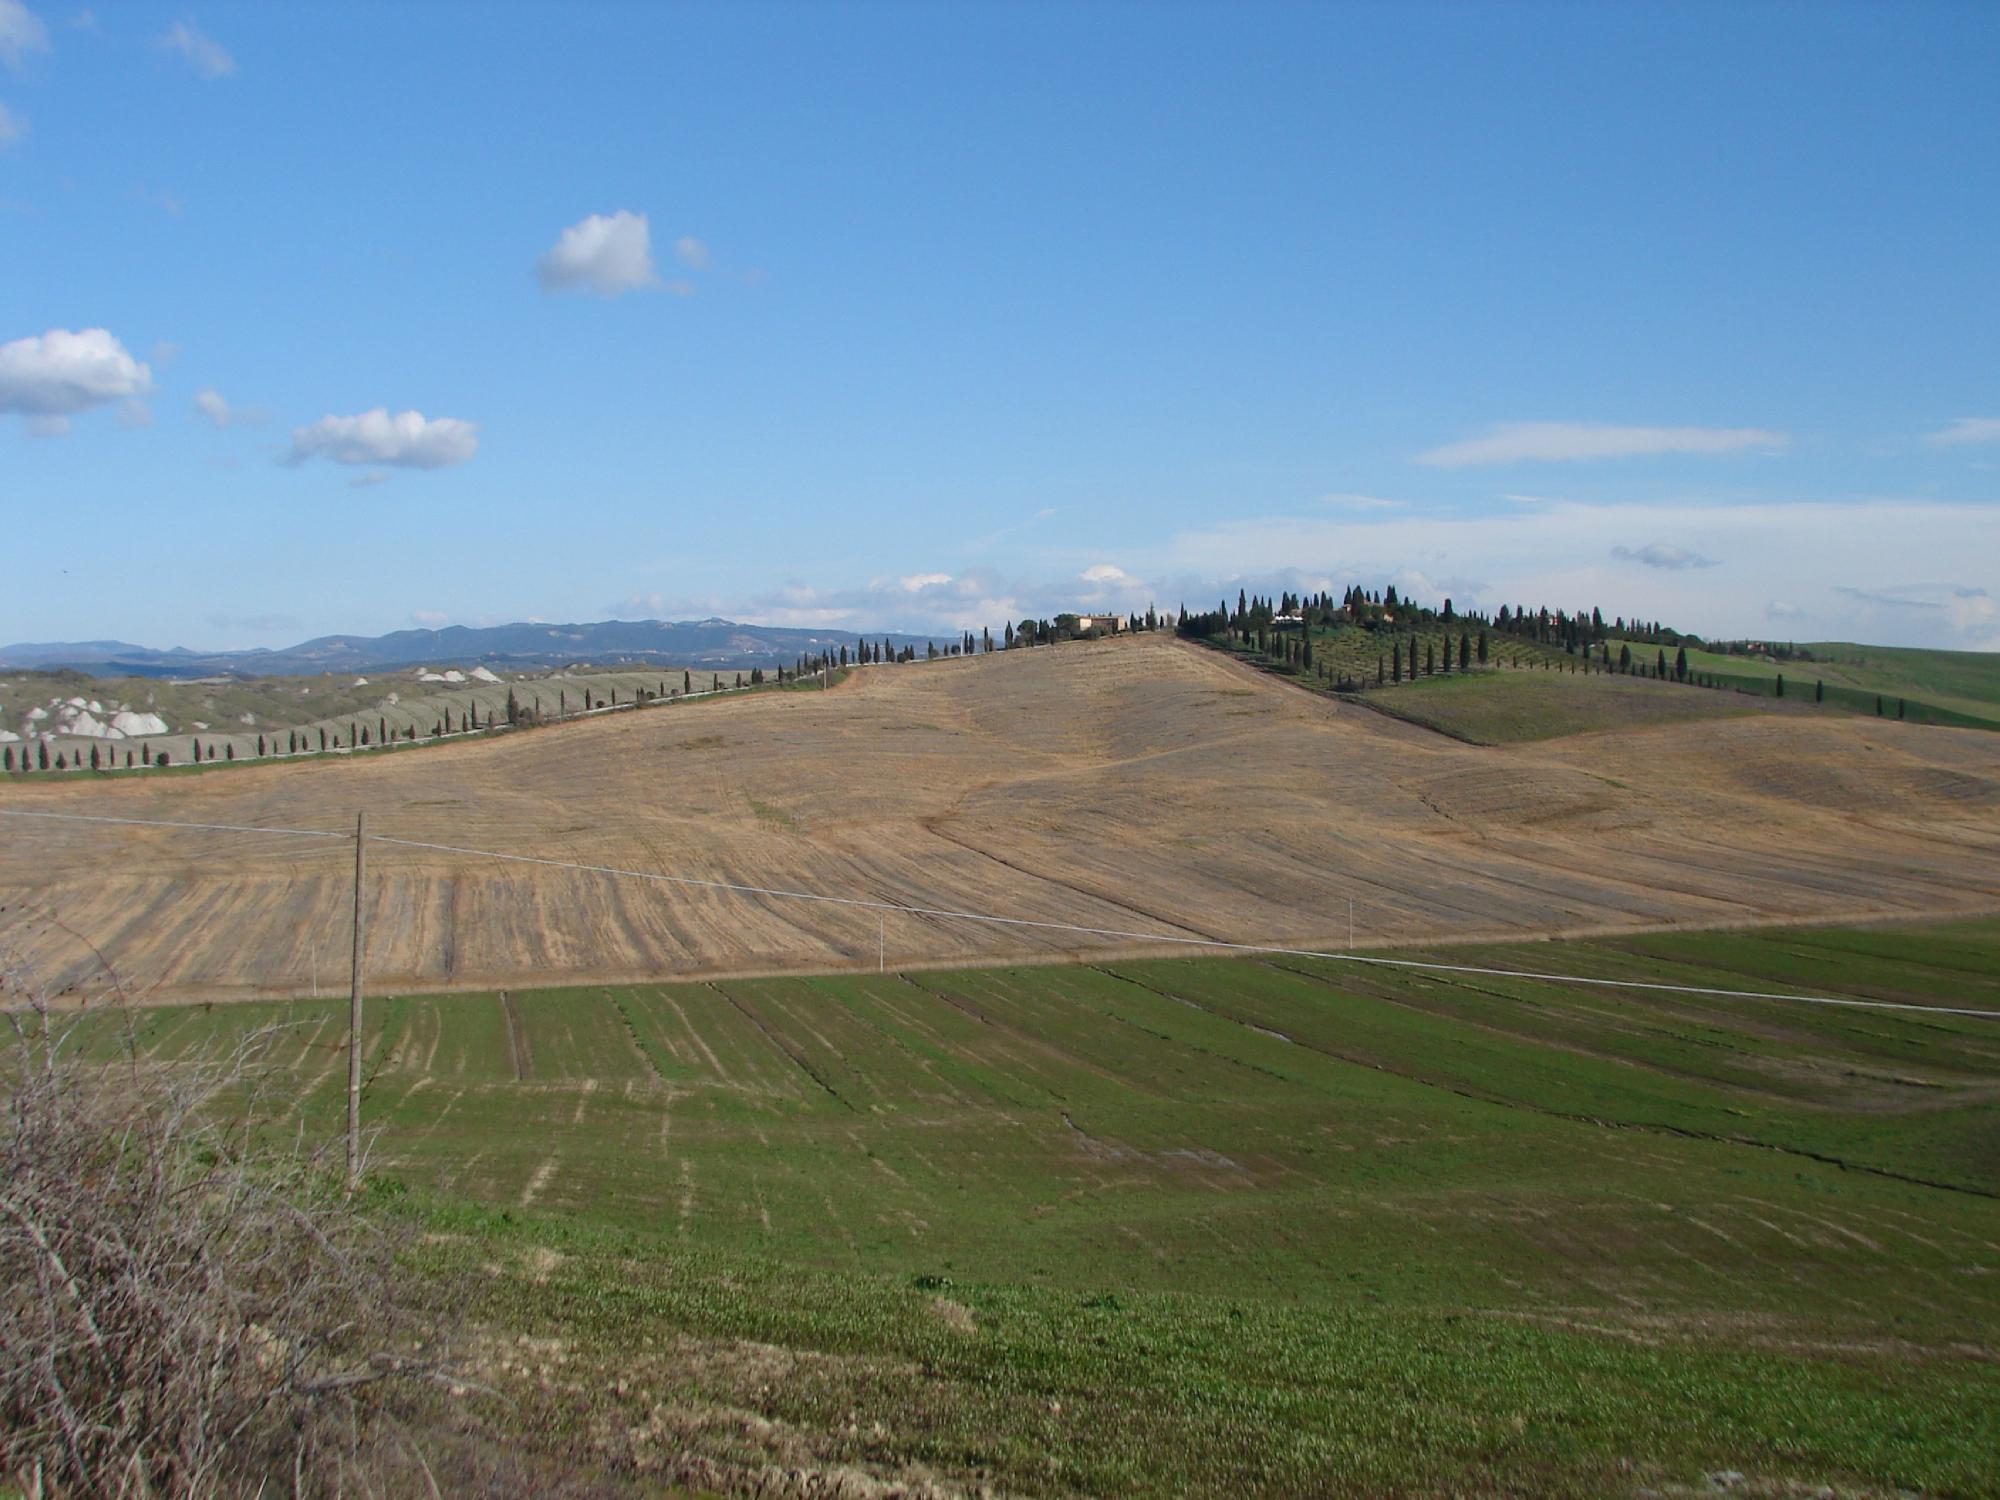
[
  {"x": 1206, "y": 1227},
  {"x": 1140, "y": 785}
]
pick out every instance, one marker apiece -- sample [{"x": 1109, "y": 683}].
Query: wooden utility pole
[{"x": 354, "y": 1009}]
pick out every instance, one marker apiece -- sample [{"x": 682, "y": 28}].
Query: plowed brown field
[{"x": 1140, "y": 784}]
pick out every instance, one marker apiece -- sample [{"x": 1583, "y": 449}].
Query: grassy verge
[{"x": 1504, "y": 708}]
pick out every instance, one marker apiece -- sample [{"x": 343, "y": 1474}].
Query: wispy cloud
[
  {"x": 1359, "y": 502},
  {"x": 12, "y": 127},
  {"x": 1966, "y": 430},
  {"x": 1654, "y": 555},
  {"x": 203, "y": 53},
  {"x": 1574, "y": 442},
  {"x": 692, "y": 253},
  {"x": 211, "y": 404},
  {"x": 21, "y": 33}
]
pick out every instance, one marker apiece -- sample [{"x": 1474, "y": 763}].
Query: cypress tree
[
  {"x": 93, "y": 758},
  {"x": 1781, "y": 684},
  {"x": 260, "y": 747},
  {"x": 1901, "y": 707},
  {"x": 1395, "y": 661},
  {"x": 1681, "y": 663},
  {"x": 1430, "y": 657},
  {"x": 6, "y": 757},
  {"x": 1819, "y": 690},
  {"x": 1878, "y": 706},
  {"x": 42, "y": 755},
  {"x": 1381, "y": 670},
  {"x": 228, "y": 751},
  {"x": 1482, "y": 648}
]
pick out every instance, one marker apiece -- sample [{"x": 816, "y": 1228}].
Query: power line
[
  {"x": 1081, "y": 929},
  {"x": 868, "y": 904}
]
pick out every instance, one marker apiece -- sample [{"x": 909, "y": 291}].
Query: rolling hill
[{"x": 1141, "y": 785}]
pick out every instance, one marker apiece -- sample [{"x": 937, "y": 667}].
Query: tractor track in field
[
  {"x": 517, "y": 1040},
  {"x": 788, "y": 1047}
]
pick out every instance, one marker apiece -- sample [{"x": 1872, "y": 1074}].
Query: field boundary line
[{"x": 865, "y": 903}]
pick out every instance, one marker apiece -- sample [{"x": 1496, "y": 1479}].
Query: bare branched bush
[{"x": 190, "y": 1303}]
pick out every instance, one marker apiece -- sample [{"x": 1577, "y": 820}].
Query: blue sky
[{"x": 344, "y": 318}]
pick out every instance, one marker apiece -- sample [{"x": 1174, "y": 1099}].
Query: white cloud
[
  {"x": 939, "y": 601},
  {"x": 408, "y": 440},
  {"x": 211, "y": 404},
  {"x": 429, "y": 619},
  {"x": 605, "y": 253},
  {"x": 203, "y": 53},
  {"x": 1967, "y": 430},
  {"x": 1654, "y": 555},
  {"x": 12, "y": 127},
  {"x": 20, "y": 33},
  {"x": 1565, "y": 442},
  {"x": 692, "y": 252},
  {"x": 1556, "y": 552},
  {"x": 53, "y": 377}
]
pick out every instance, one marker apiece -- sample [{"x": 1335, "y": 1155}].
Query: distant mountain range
[{"x": 693, "y": 643}]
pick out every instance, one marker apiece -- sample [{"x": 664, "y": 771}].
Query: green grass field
[
  {"x": 1507, "y": 707},
  {"x": 1217, "y": 1227},
  {"x": 1938, "y": 687}
]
